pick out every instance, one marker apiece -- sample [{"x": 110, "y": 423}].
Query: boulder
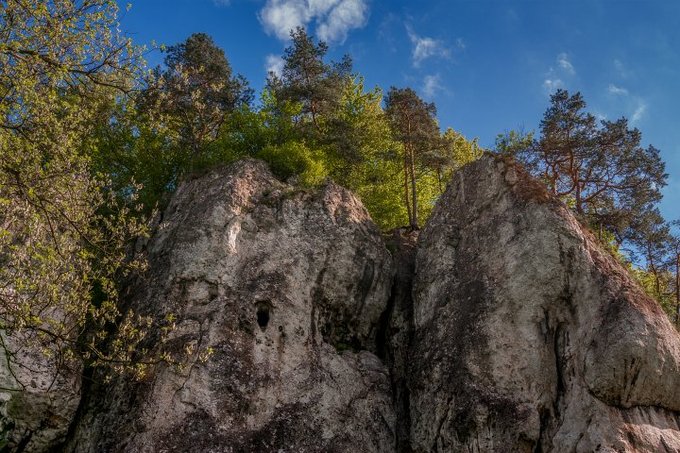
[{"x": 528, "y": 335}]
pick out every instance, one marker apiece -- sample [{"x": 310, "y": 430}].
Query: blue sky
[{"x": 489, "y": 65}]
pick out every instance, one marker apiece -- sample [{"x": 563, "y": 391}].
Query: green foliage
[
  {"x": 514, "y": 143},
  {"x": 610, "y": 177},
  {"x": 309, "y": 81},
  {"x": 414, "y": 125},
  {"x": 194, "y": 92},
  {"x": 295, "y": 159},
  {"x": 62, "y": 232}
]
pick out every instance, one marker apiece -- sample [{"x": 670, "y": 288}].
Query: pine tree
[
  {"x": 195, "y": 92},
  {"x": 414, "y": 125},
  {"x": 309, "y": 80},
  {"x": 601, "y": 171}
]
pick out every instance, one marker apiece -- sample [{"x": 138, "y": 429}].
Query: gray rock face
[
  {"x": 39, "y": 395},
  {"x": 527, "y": 335},
  {"x": 500, "y": 327},
  {"x": 286, "y": 289}
]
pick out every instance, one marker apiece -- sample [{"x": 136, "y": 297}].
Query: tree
[
  {"x": 195, "y": 92},
  {"x": 674, "y": 263},
  {"x": 308, "y": 80},
  {"x": 514, "y": 143},
  {"x": 414, "y": 125},
  {"x": 454, "y": 152},
  {"x": 651, "y": 238},
  {"x": 63, "y": 237},
  {"x": 363, "y": 156},
  {"x": 602, "y": 172}
]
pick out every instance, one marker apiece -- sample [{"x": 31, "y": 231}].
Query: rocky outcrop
[
  {"x": 282, "y": 291},
  {"x": 39, "y": 394},
  {"x": 528, "y": 335},
  {"x": 501, "y": 327}
]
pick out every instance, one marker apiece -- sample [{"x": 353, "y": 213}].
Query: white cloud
[
  {"x": 565, "y": 64},
  {"x": 639, "y": 111},
  {"x": 617, "y": 91},
  {"x": 274, "y": 63},
  {"x": 555, "y": 77},
  {"x": 347, "y": 15},
  {"x": 424, "y": 47},
  {"x": 551, "y": 85},
  {"x": 280, "y": 17},
  {"x": 432, "y": 85},
  {"x": 333, "y": 18}
]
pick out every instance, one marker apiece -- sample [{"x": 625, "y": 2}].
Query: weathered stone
[
  {"x": 286, "y": 288},
  {"x": 39, "y": 395},
  {"x": 503, "y": 326},
  {"x": 528, "y": 335}
]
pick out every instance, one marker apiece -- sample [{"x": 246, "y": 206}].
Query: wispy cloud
[
  {"x": 617, "y": 91},
  {"x": 221, "y": 2},
  {"x": 274, "y": 64},
  {"x": 346, "y": 15},
  {"x": 639, "y": 112},
  {"x": 333, "y": 18},
  {"x": 556, "y": 75},
  {"x": 432, "y": 85},
  {"x": 425, "y": 47},
  {"x": 564, "y": 63},
  {"x": 551, "y": 85}
]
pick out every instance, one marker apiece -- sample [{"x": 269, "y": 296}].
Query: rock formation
[
  {"x": 528, "y": 335},
  {"x": 39, "y": 395},
  {"x": 286, "y": 288},
  {"x": 503, "y": 326}
]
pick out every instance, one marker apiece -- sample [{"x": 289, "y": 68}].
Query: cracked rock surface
[
  {"x": 287, "y": 288},
  {"x": 528, "y": 336}
]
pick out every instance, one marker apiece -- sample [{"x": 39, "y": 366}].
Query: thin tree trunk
[
  {"x": 406, "y": 197},
  {"x": 414, "y": 193},
  {"x": 655, "y": 273},
  {"x": 600, "y": 232}
]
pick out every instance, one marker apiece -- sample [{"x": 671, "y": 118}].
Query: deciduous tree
[{"x": 62, "y": 235}]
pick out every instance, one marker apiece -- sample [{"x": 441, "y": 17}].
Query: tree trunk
[
  {"x": 578, "y": 198},
  {"x": 655, "y": 273},
  {"x": 414, "y": 193},
  {"x": 406, "y": 188}
]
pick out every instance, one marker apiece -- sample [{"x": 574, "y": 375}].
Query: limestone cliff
[
  {"x": 287, "y": 289},
  {"x": 528, "y": 335},
  {"x": 502, "y": 326}
]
